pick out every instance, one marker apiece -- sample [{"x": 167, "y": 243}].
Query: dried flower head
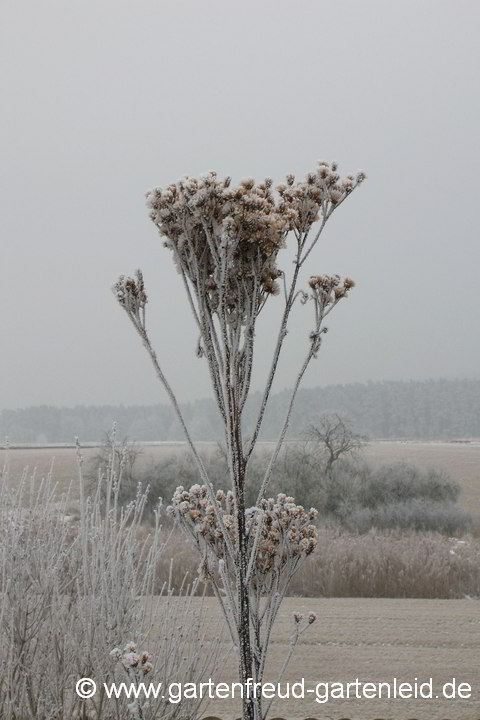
[
  {"x": 328, "y": 289},
  {"x": 230, "y": 236},
  {"x": 282, "y": 530},
  {"x": 131, "y": 660},
  {"x": 130, "y": 293}
]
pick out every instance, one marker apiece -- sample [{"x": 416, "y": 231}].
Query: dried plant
[
  {"x": 378, "y": 564},
  {"x": 391, "y": 565},
  {"x": 136, "y": 665},
  {"x": 280, "y": 535},
  {"x": 72, "y": 587},
  {"x": 225, "y": 243}
]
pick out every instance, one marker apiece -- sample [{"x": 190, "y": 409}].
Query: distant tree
[{"x": 335, "y": 438}]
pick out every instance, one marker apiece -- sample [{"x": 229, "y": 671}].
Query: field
[
  {"x": 460, "y": 460},
  {"x": 374, "y": 640}
]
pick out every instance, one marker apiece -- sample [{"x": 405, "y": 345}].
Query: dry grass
[
  {"x": 394, "y": 565},
  {"x": 71, "y": 591},
  {"x": 381, "y": 565}
]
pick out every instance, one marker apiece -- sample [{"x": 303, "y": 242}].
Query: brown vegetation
[{"x": 382, "y": 565}]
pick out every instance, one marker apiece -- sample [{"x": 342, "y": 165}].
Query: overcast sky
[{"x": 104, "y": 99}]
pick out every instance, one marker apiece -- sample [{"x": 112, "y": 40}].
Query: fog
[{"x": 104, "y": 100}]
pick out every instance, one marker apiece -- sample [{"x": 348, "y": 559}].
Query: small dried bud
[
  {"x": 335, "y": 196},
  {"x": 130, "y": 292},
  {"x": 130, "y": 659},
  {"x": 247, "y": 183}
]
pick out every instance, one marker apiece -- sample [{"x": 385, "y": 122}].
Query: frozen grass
[
  {"x": 73, "y": 589},
  {"x": 376, "y": 564}
]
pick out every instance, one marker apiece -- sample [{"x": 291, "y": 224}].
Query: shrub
[
  {"x": 416, "y": 514},
  {"x": 355, "y": 495},
  {"x": 401, "y": 482}
]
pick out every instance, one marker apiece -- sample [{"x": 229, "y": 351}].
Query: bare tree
[
  {"x": 225, "y": 243},
  {"x": 335, "y": 437}
]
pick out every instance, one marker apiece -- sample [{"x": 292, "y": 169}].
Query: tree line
[{"x": 431, "y": 409}]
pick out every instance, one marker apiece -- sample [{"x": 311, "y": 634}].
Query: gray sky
[{"x": 103, "y": 99}]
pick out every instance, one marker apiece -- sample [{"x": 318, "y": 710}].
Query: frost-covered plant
[
  {"x": 72, "y": 587},
  {"x": 280, "y": 535},
  {"x": 125, "y": 455},
  {"x": 136, "y": 665},
  {"x": 225, "y": 242}
]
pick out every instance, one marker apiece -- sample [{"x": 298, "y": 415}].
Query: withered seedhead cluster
[
  {"x": 131, "y": 659},
  {"x": 327, "y": 289},
  {"x": 130, "y": 292},
  {"x": 229, "y": 238},
  {"x": 286, "y": 529}
]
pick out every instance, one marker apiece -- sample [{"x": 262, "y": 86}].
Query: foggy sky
[{"x": 104, "y": 99}]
